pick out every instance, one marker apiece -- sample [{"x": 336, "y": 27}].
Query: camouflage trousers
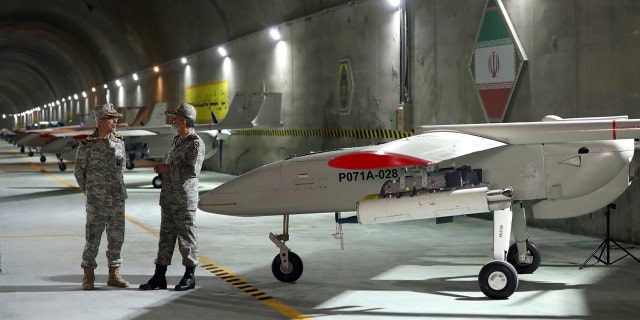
[
  {"x": 177, "y": 224},
  {"x": 109, "y": 216}
]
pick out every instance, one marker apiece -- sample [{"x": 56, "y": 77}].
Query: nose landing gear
[{"x": 286, "y": 266}]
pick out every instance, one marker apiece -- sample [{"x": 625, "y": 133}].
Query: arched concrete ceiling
[{"x": 54, "y": 48}]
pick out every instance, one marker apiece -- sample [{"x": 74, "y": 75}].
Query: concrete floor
[{"x": 413, "y": 270}]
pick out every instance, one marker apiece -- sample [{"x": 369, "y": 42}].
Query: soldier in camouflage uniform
[
  {"x": 179, "y": 200},
  {"x": 100, "y": 161}
]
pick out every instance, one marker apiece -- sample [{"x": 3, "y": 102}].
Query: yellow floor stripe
[
  {"x": 39, "y": 168},
  {"x": 141, "y": 225},
  {"x": 206, "y": 263}
]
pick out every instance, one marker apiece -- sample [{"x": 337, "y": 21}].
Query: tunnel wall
[{"x": 582, "y": 62}]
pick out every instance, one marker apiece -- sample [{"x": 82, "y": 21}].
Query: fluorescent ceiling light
[
  {"x": 275, "y": 34},
  {"x": 222, "y": 51}
]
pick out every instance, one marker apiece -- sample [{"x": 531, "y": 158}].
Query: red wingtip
[{"x": 375, "y": 160}]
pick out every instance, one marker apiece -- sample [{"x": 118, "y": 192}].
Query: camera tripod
[{"x": 605, "y": 245}]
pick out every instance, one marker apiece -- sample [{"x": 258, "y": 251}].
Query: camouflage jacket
[
  {"x": 99, "y": 166},
  {"x": 180, "y": 183}
]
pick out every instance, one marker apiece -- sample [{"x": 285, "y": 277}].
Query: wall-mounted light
[
  {"x": 69, "y": 98},
  {"x": 222, "y": 51},
  {"x": 93, "y": 89},
  {"x": 275, "y": 34},
  {"x": 84, "y": 94},
  {"x": 105, "y": 86},
  {"x": 75, "y": 96},
  {"x": 156, "y": 69},
  {"x": 118, "y": 83},
  {"x": 58, "y": 101},
  {"x": 183, "y": 60},
  {"x": 135, "y": 76}
]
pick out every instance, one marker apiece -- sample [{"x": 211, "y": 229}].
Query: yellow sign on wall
[{"x": 209, "y": 99}]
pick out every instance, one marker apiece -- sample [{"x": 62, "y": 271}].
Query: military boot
[
  {"x": 115, "y": 280},
  {"x": 158, "y": 281},
  {"x": 188, "y": 281},
  {"x": 88, "y": 279}
]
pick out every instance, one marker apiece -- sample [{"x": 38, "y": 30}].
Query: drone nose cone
[
  {"x": 223, "y": 199},
  {"x": 242, "y": 195},
  {"x": 217, "y": 202}
]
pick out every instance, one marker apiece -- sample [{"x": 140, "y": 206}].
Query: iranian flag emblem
[{"x": 496, "y": 63}]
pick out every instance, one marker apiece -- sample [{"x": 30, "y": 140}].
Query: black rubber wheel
[
  {"x": 62, "y": 166},
  {"x": 157, "y": 182},
  {"x": 287, "y": 273},
  {"x": 524, "y": 268},
  {"x": 498, "y": 279},
  {"x": 30, "y": 153},
  {"x": 130, "y": 165},
  {"x": 43, "y": 159}
]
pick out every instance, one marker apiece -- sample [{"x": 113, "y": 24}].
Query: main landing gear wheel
[
  {"x": 62, "y": 166},
  {"x": 157, "y": 182},
  {"x": 498, "y": 279},
  {"x": 288, "y": 272},
  {"x": 523, "y": 267}
]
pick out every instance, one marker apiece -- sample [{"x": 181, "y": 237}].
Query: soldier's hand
[{"x": 161, "y": 168}]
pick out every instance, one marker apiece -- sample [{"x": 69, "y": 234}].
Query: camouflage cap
[
  {"x": 106, "y": 110},
  {"x": 184, "y": 110}
]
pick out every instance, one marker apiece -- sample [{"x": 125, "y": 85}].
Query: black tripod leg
[
  {"x": 626, "y": 251},
  {"x": 602, "y": 247},
  {"x": 605, "y": 244}
]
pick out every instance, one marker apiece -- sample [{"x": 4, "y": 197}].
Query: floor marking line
[{"x": 210, "y": 266}]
